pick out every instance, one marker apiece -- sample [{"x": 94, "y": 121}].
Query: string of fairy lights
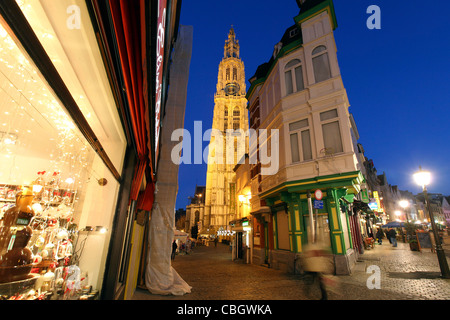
[{"x": 31, "y": 119}]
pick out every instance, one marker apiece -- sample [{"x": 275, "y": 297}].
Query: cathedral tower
[{"x": 225, "y": 150}]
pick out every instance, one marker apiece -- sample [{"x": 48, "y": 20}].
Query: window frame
[
  {"x": 317, "y": 55},
  {"x": 299, "y": 132},
  {"x": 329, "y": 121},
  {"x": 291, "y": 68}
]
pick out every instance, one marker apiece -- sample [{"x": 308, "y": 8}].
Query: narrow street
[{"x": 404, "y": 275}]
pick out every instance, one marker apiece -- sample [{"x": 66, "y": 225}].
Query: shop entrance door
[
  {"x": 239, "y": 245},
  {"x": 266, "y": 243}
]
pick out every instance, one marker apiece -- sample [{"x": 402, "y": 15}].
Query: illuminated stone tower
[{"x": 230, "y": 119}]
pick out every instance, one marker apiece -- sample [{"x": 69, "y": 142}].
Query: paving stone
[{"x": 404, "y": 275}]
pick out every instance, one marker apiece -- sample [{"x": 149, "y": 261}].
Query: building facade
[
  {"x": 228, "y": 138},
  {"x": 299, "y": 96},
  {"x": 195, "y": 213}
]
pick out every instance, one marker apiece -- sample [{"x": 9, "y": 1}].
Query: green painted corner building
[{"x": 299, "y": 97}]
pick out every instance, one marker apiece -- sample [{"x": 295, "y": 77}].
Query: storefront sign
[
  {"x": 160, "y": 39},
  {"x": 364, "y": 196},
  {"x": 377, "y": 199},
  {"x": 373, "y": 205}
]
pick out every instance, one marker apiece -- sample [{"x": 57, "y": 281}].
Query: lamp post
[{"x": 423, "y": 178}]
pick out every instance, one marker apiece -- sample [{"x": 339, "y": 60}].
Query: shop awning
[{"x": 361, "y": 206}]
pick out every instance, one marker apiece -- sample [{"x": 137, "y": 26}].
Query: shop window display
[{"x": 57, "y": 198}]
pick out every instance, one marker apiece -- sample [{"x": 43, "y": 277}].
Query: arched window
[
  {"x": 293, "y": 76},
  {"x": 321, "y": 64},
  {"x": 227, "y": 74}
]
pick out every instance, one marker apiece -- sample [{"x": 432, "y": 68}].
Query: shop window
[
  {"x": 321, "y": 64},
  {"x": 57, "y": 197},
  {"x": 322, "y": 229}
]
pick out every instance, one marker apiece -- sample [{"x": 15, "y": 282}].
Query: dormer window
[{"x": 293, "y": 32}]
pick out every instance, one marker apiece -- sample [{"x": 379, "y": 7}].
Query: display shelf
[{"x": 19, "y": 286}]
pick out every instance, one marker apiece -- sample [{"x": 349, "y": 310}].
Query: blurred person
[
  {"x": 174, "y": 249},
  {"x": 317, "y": 262},
  {"x": 380, "y": 235},
  {"x": 393, "y": 236}
]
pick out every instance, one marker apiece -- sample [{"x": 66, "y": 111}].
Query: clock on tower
[{"x": 232, "y": 89}]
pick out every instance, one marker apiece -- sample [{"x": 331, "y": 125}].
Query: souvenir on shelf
[
  {"x": 15, "y": 257},
  {"x": 36, "y": 237}
]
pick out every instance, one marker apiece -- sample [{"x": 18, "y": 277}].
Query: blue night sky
[{"x": 397, "y": 78}]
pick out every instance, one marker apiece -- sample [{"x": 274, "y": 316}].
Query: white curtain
[{"x": 161, "y": 277}]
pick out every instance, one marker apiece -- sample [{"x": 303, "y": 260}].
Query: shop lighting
[
  {"x": 404, "y": 203},
  {"x": 101, "y": 229},
  {"x": 8, "y": 138},
  {"x": 37, "y": 188},
  {"x": 245, "y": 198}
]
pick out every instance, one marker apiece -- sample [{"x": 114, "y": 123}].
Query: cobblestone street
[{"x": 405, "y": 275}]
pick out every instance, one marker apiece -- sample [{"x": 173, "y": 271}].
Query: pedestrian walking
[
  {"x": 380, "y": 236},
  {"x": 316, "y": 262},
  {"x": 215, "y": 241},
  {"x": 392, "y": 236},
  {"x": 387, "y": 235},
  {"x": 174, "y": 249}
]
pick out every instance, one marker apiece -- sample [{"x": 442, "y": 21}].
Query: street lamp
[
  {"x": 404, "y": 204},
  {"x": 423, "y": 178}
]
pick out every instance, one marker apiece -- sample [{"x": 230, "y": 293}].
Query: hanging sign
[
  {"x": 377, "y": 198},
  {"x": 364, "y": 196}
]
